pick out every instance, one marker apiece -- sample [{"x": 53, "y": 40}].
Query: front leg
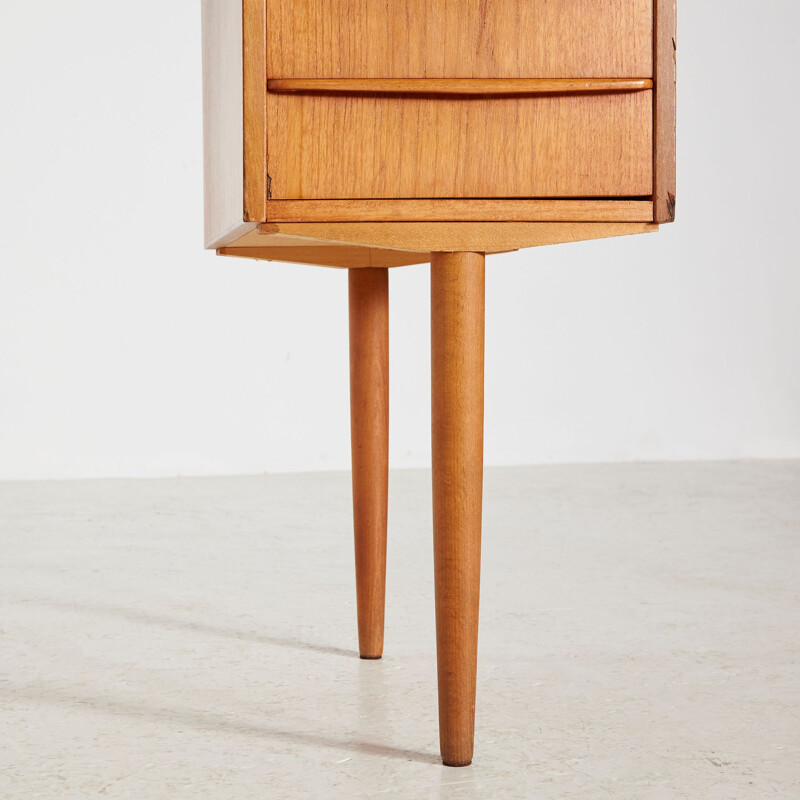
[{"x": 457, "y": 347}]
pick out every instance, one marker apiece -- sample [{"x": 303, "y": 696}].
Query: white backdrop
[{"x": 125, "y": 349}]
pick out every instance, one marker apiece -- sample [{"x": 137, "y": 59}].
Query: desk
[{"x": 369, "y": 135}]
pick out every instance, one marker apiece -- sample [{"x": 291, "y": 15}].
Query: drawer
[
  {"x": 329, "y": 146},
  {"x": 459, "y": 38}
]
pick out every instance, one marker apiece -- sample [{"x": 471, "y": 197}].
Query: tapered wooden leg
[
  {"x": 369, "y": 433},
  {"x": 457, "y": 336}
]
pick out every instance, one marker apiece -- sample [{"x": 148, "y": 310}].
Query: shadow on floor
[
  {"x": 39, "y": 693},
  {"x": 173, "y": 623}
]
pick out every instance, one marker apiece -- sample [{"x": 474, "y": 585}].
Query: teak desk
[{"x": 369, "y": 134}]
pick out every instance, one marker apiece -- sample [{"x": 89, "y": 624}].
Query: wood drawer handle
[{"x": 458, "y": 86}]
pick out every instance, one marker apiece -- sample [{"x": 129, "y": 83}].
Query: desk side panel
[
  {"x": 234, "y": 117},
  {"x": 665, "y": 101}
]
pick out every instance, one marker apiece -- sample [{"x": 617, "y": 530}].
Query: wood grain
[
  {"x": 452, "y": 236},
  {"x": 341, "y": 256},
  {"x": 664, "y": 168},
  {"x": 451, "y": 39},
  {"x": 369, "y": 435},
  {"x": 457, "y": 354},
  {"x": 459, "y": 86},
  {"x": 350, "y": 147},
  {"x": 444, "y": 210},
  {"x": 254, "y": 49}
]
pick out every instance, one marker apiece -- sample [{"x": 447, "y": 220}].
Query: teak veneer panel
[
  {"x": 397, "y": 244},
  {"x": 459, "y": 210},
  {"x": 460, "y": 39},
  {"x": 349, "y": 147},
  {"x": 331, "y": 255},
  {"x": 666, "y": 45},
  {"x": 486, "y": 237},
  {"x": 254, "y": 47}
]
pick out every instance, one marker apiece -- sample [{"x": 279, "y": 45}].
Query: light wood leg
[
  {"x": 369, "y": 433},
  {"x": 457, "y": 342}
]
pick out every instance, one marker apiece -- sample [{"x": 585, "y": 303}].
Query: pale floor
[{"x": 195, "y": 638}]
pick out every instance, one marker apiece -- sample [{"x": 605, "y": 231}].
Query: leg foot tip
[
  {"x": 456, "y": 763},
  {"x": 370, "y": 658}
]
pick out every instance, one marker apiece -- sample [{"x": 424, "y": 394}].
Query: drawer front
[
  {"x": 350, "y": 146},
  {"x": 459, "y": 38}
]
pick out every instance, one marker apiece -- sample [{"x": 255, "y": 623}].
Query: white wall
[{"x": 125, "y": 349}]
